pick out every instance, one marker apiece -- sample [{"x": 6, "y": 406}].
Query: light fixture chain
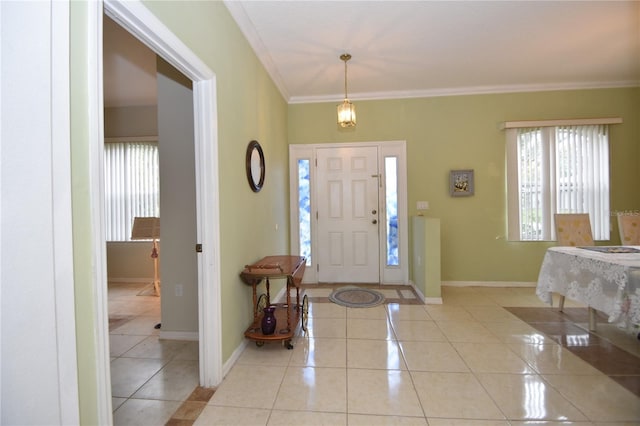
[
  {"x": 345, "y": 78},
  {"x": 345, "y": 57}
]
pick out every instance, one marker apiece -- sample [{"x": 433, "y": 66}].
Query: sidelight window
[
  {"x": 304, "y": 208},
  {"x": 391, "y": 204}
]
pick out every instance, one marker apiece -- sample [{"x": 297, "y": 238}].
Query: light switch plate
[{"x": 422, "y": 205}]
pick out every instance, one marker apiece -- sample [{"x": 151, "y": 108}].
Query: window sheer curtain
[
  {"x": 132, "y": 186},
  {"x": 560, "y": 169}
]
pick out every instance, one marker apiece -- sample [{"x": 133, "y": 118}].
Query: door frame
[
  {"x": 388, "y": 274},
  {"x": 134, "y": 17}
]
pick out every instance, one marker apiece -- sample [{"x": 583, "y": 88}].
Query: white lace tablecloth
[{"x": 608, "y": 282}]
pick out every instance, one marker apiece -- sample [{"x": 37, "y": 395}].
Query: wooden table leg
[
  {"x": 268, "y": 293},
  {"x": 288, "y": 306},
  {"x": 255, "y": 303},
  {"x": 561, "y": 303},
  {"x": 592, "y": 319}
]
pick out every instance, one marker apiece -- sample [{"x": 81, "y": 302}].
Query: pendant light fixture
[{"x": 346, "y": 110}]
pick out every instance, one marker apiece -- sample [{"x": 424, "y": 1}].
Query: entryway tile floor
[
  {"x": 486, "y": 356},
  {"x": 150, "y": 377}
]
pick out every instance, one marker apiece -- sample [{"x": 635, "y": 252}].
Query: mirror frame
[{"x": 255, "y": 182}]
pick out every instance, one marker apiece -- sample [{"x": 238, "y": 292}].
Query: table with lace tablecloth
[{"x": 603, "y": 278}]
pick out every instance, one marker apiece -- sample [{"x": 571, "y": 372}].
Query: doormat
[{"x": 356, "y": 297}]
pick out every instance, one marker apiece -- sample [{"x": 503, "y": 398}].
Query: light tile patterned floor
[
  {"x": 468, "y": 361},
  {"x": 150, "y": 378}
]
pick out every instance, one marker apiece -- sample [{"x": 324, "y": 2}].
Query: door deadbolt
[{"x": 374, "y": 211}]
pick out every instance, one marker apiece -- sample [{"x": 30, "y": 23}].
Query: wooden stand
[
  {"x": 288, "y": 315},
  {"x": 154, "y": 256},
  {"x": 148, "y": 228}
]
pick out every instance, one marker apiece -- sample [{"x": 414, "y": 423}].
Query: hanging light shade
[{"x": 346, "y": 110}]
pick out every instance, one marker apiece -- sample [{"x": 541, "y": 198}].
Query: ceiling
[{"x": 433, "y": 48}]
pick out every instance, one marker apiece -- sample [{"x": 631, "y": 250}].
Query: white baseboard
[
  {"x": 426, "y": 300},
  {"x": 417, "y": 290},
  {"x": 226, "y": 367},
  {"x": 179, "y": 335},
  {"x": 423, "y": 299},
  {"x": 488, "y": 284}
]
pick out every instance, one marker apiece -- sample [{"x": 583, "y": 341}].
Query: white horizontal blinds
[
  {"x": 132, "y": 186},
  {"x": 582, "y": 173},
  {"x": 530, "y": 183}
]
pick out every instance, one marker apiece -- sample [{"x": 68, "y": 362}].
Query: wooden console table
[{"x": 287, "y": 315}]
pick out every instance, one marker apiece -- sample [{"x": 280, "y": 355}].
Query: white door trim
[
  {"x": 388, "y": 275},
  {"x": 96, "y": 201},
  {"x": 139, "y": 21},
  {"x": 63, "y": 214}
]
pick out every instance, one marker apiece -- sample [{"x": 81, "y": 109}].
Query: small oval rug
[{"x": 356, "y": 297}]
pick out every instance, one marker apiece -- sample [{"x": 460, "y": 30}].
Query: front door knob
[{"x": 374, "y": 221}]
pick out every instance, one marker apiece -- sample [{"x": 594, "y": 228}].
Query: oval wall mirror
[{"x": 255, "y": 166}]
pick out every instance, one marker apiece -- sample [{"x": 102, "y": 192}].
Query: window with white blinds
[
  {"x": 132, "y": 186},
  {"x": 557, "y": 169}
]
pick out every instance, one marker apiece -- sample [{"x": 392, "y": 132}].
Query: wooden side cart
[{"x": 288, "y": 315}]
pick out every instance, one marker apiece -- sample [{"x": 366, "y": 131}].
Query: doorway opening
[
  {"x": 139, "y": 21},
  {"x": 349, "y": 211},
  {"x": 149, "y": 168}
]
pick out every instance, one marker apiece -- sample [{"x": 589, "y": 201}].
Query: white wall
[
  {"x": 131, "y": 121},
  {"x": 178, "y": 261},
  {"x": 130, "y": 261},
  {"x": 38, "y": 382}
]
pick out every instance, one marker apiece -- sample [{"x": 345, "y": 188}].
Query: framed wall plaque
[{"x": 461, "y": 183}]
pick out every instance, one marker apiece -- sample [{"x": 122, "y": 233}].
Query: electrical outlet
[
  {"x": 422, "y": 205},
  {"x": 179, "y": 290}
]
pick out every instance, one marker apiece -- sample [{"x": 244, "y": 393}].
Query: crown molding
[
  {"x": 247, "y": 28},
  {"x": 462, "y": 91}
]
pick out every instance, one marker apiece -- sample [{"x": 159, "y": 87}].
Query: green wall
[
  {"x": 441, "y": 133},
  {"x": 249, "y": 107},
  {"x": 82, "y": 244},
  {"x": 461, "y": 132}
]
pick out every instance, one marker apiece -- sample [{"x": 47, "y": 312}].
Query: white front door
[{"x": 348, "y": 215}]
